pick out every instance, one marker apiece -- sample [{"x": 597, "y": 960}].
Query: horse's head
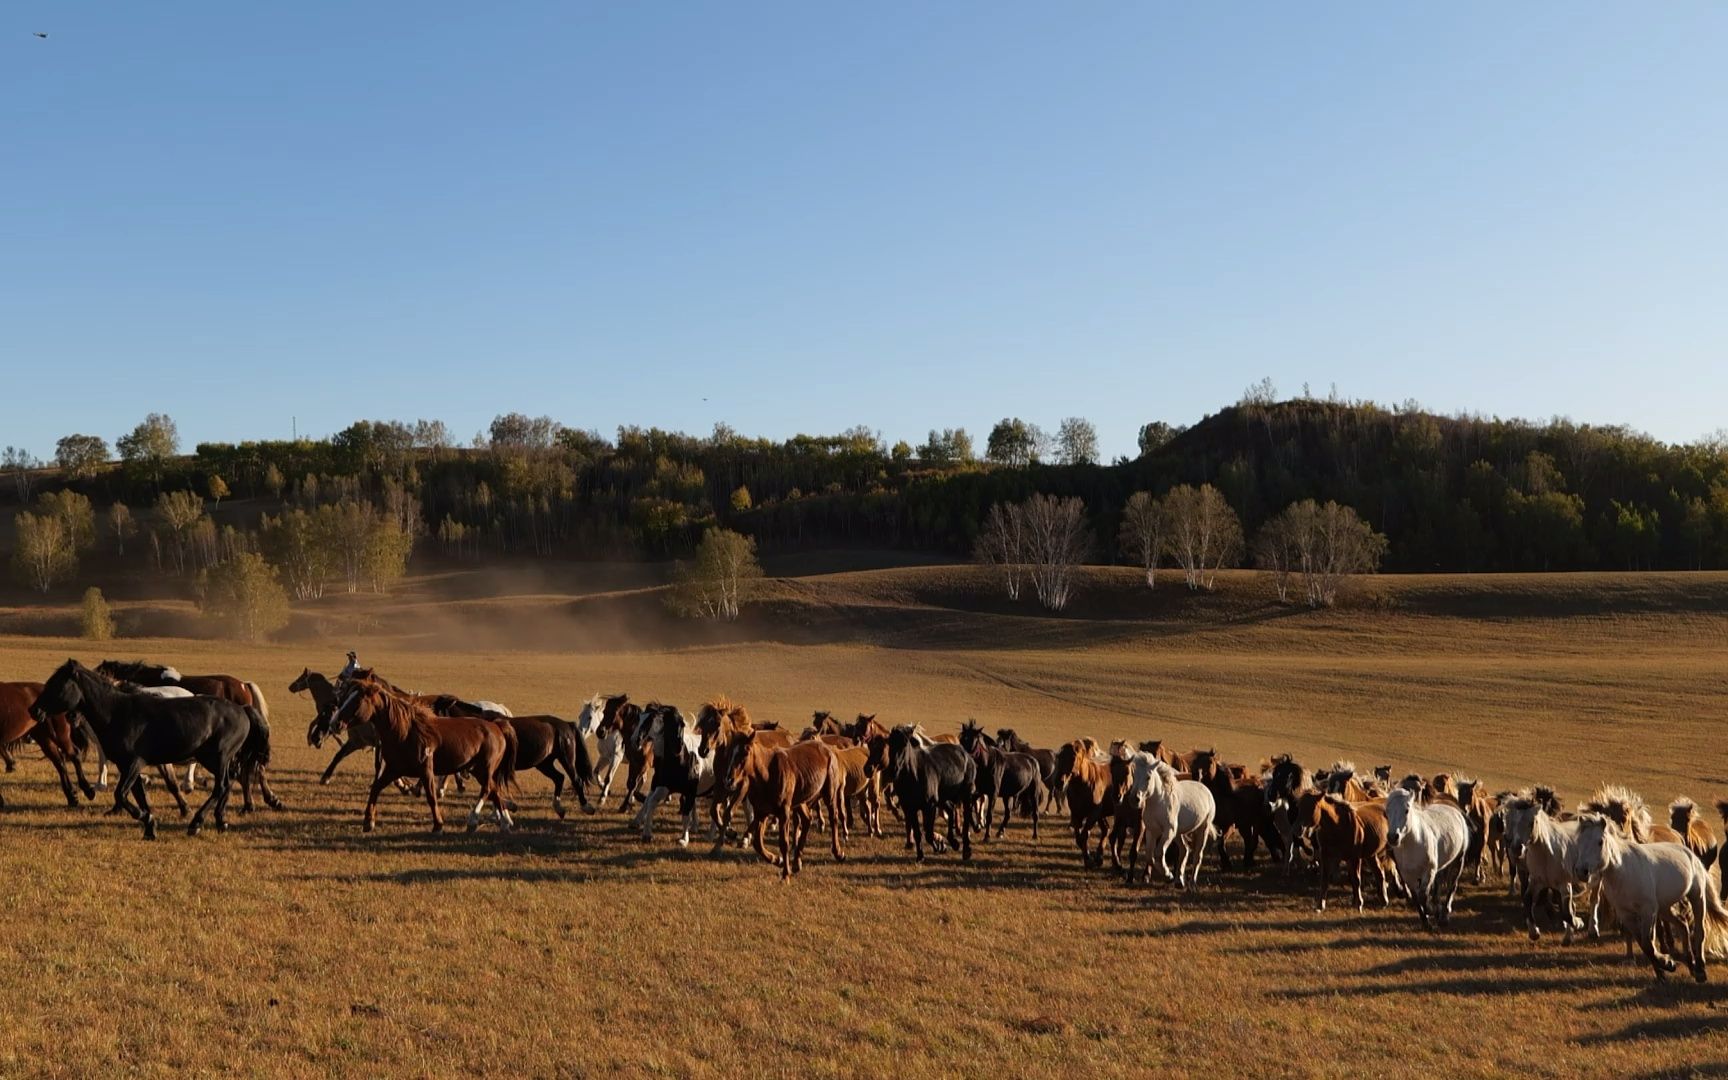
[
  {"x": 1143, "y": 775},
  {"x": 1399, "y": 806},
  {"x": 744, "y": 754},
  {"x": 876, "y": 754},
  {"x": 593, "y": 710},
  {"x": 1203, "y": 766},
  {"x": 1595, "y": 847},
  {"x": 972, "y": 736},
  {"x": 361, "y": 704},
  {"x": 61, "y": 694},
  {"x": 1009, "y": 739},
  {"x": 302, "y": 682},
  {"x": 1068, "y": 759}
]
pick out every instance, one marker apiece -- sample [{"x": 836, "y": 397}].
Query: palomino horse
[
  {"x": 787, "y": 783},
  {"x": 141, "y": 729},
  {"x": 414, "y": 742},
  {"x": 53, "y": 735},
  {"x": 1353, "y": 834},
  {"x": 1172, "y": 812},
  {"x": 1544, "y": 851},
  {"x": 1428, "y": 844},
  {"x": 930, "y": 778},
  {"x": 1627, "y": 811},
  {"x": 1644, "y": 882},
  {"x": 1011, "y": 777}
]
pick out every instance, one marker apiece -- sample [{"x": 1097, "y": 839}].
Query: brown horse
[
  {"x": 786, "y": 783},
  {"x": 1241, "y": 805},
  {"x": 1480, "y": 811},
  {"x": 1092, "y": 796},
  {"x": 413, "y": 742},
  {"x": 863, "y": 786},
  {"x": 552, "y": 745},
  {"x": 617, "y": 732},
  {"x": 1685, "y": 818},
  {"x": 54, "y": 737},
  {"x": 1345, "y": 832},
  {"x": 1010, "y": 740},
  {"x": 717, "y": 723}
]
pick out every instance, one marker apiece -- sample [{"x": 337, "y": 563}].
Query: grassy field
[{"x": 295, "y": 945}]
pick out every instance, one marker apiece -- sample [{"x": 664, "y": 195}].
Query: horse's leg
[
  {"x": 1448, "y": 885},
  {"x": 1007, "y": 810},
  {"x": 6, "y": 756},
  {"x": 342, "y": 752},
  {"x": 549, "y": 769},
  {"x": 1134, "y": 842},
  {"x": 1422, "y": 894},
  {"x": 1356, "y": 882},
  {"x": 837, "y": 804},
  {"x": 382, "y": 780},
  {"x": 1531, "y": 895},
  {"x": 1325, "y": 877},
  {"x": 128, "y": 780},
  {"x": 45, "y": 739},
  {"x": 966, "y": 822},
  {"x": 218, "y": 788},
  {"x": 788, "y": 824},
  {"x": 264, "y": 792},
  {"x": 190, "y": 784},
  {"x": 487, "y": 778}
]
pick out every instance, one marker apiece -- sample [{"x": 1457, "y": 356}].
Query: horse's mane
[
  {"x": 1682, "y": 812},
  {"x": 1623, "y": 807},
  {"x": 1722, "y": 808},
  {"x": 1544, "y": 796}
]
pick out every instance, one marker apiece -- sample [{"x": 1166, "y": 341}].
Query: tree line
[{"x": 1448, "y": 493}]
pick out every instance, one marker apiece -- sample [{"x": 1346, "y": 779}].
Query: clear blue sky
[{"x": 819, "y": 215}]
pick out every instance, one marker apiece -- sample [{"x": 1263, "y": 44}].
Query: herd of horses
[{"x": 1144, "y": 806}]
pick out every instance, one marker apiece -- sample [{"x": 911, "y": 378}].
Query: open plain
[{"x": 296, "y": 946}]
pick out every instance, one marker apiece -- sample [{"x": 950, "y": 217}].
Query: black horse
[
  {"x": 1008, "y": 739},
  {"x": 138, "y": 730},
  {"x": 928, "y": 777},
  {"x": 1011, "y": 777}
]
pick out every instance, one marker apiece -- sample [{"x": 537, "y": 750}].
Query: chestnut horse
[
  {"x": 1091, "y": 795},
  {"x": 54, "y": 736},
  {"x": 785, "y": 782},
  {"x": 1353, "y": 834},
  {"x": 415, "y": 743}
]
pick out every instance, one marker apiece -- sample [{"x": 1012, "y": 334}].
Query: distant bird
[{"x": 40, "y": 34}]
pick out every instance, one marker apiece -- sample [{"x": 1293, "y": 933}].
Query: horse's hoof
[
  {"x": 194, "y": 829},
  {"x": 1321, "y": 906},
  {"x": 185, "y": 788},
  {"x": 589, "y": 809},
  {"x": 274, "y": 804}
]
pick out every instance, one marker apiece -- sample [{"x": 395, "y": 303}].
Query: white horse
[
  {"x": 1171, "y": 811},
  {"x": 1644, "y": 882},
  {"x": 1428, "y": 844},
  {"x": 610, "y": 743},
  {"x": 1544, "y": 852},
  {"x": 692, "y": 771}
]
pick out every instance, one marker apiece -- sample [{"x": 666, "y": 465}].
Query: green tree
[
  {"x": 388, "y": 547},
  {"x": 1077, "y": 442},
  {"x": 178, "y": 513},
  {"x": 147, "y": 448},
  {"x": 1157, "y": 435},
  {"x": 96, "y": 619},
  {"x": 244, "y": 596},
  {"x": 721, "y": 579},
  {"x": 75, "y": 512},
  {"x": 217, "y": 488},
  {"x": 44, "y": 554},
  {"x": 300, "y": 545},
  {"x": 274, "y": 481},
  {"x": 79, "y": 456},
  {"x": 1014, "y": 442}
]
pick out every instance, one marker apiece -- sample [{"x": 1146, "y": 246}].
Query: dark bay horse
[
  {"x": 223, "y": 687},
  {"x": 1241, "y": 806},
  {"x": 1010, "y": 777},
  {"x": 1008, "y": 739},
  {"x": 553, "y": 746},
  {"x": 360, "y": 736},
  {"x": 415, "y": 743},
  {"x": 929, "y": 778},
  {"x": 138, "y": 729},
  {"x": 54, "y": 735}
]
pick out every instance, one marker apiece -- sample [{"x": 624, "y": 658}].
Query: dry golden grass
[{"x": 295, "y": 945}]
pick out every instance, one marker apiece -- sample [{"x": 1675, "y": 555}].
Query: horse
[
  {"x": 861, "y": 785},
  {"x": 415, "y": 742},
  {"x": 1627, "y": 811},
  {"x": 1010, "y": 740},
  {"x": 1011, "y": 777},
  {"x": 1644, "y": 882},
  {"x": 1428, "y": 844},
  {"x": 1541, "y": 848},
  {"x": 136, "y": 730},
  {"x": 360, "y": 736},
  {"x": 1695, "y": 832},
  {"x": 680, "y": 767},
  {"x": 1341, "y": 779},
  {"x": 785, "y": 782},
  {"x": 1171, "y": 811},
  {"x": 1241, "y": 805},
  {"x": 54, "y": 734},
  {"x": 1285, "y": 782},
  {"x": 225, "y": 687},
  {"x": 612, "y": 719},
  {"x": 554, "y": 747},
  {"x": 1353, "y": 834},
  {"x": 716, "y": 722},
  {"x": 1479, "y": 812},
  {"x": 1092, "y": 798},
  {"x": 939, "y": 777}
]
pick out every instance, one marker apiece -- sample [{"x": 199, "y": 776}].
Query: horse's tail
[
  {"x": 504, "y": 776},
  {"x": 258, "y": 701},
  {"x": 255, "y": 750},
  {"x": 1715, "y": 920},
  {"x": 571, "y": 746}
]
